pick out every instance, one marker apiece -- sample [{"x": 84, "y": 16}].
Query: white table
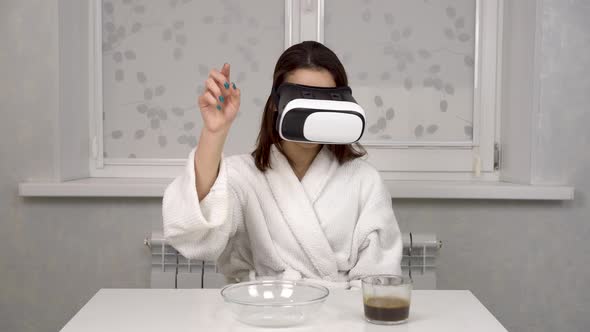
[{"x": 178, "y": 310}]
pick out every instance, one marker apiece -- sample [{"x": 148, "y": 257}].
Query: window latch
[{"x": 496, "y": 156}]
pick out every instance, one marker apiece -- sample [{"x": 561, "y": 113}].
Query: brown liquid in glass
[{"x": 387, "y": 309}]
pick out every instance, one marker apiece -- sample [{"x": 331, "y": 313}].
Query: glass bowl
[{"x": 274, "y": 303}]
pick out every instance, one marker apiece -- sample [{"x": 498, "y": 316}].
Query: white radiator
[{"x": 172, "y": 270}]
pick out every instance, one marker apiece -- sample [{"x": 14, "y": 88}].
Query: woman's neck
[{"x": 300, "y": 156}]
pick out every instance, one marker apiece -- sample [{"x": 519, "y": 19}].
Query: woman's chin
[
  {"x": 310, "y": 146},
  {"x": 301, "y": 145}
]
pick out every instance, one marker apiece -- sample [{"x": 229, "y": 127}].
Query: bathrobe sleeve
[
  {"x": 199, "y": 230},
  {"x": 377, "y": 235}
]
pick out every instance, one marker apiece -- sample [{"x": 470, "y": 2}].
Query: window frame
[{"x": 304, "y": 20}]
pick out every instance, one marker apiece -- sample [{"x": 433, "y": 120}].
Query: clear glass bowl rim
[{"x": 321, "y": 298}]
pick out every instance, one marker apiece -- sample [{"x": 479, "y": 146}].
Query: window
[
  {"x": 424, "y": 71},
  {"x": 433, "y": 114},
  {"x": 413, "y": 66},
  {"x": 156, "y": 56}
]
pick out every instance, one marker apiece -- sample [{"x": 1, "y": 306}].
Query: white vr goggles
[{"x": 312, "y": 114}]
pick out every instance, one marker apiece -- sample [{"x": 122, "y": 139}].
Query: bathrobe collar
[
  {"x": 319, "y": 173},
  {"x": 295, "y": 199}
]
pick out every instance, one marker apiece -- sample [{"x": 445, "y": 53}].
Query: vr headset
[{"x": 312, "y": 114}]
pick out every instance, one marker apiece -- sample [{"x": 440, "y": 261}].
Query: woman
[{"x": 288, "y": 210}]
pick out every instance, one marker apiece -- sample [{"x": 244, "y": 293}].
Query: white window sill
[{"x": 137, "y": 187}]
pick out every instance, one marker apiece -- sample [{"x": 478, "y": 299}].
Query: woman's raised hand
[{"x": 220, "y": 102}]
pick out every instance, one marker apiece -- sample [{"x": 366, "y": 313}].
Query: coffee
[{"x": 386, "y": 309}]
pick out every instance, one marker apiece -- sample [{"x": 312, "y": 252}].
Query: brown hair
[{"x": 309, "y": 55}]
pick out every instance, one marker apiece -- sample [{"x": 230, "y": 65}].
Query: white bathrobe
[{"x": 333, "y": 226}]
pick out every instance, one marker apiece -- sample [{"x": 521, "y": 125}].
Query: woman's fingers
[
  {"x": 235, "y": 96},
  {"x": 203, "y": 103},
  {"x": 234, "y": 90},
  {"x": 211, "y": 100},
  {"x": 220, "y": 91},
  {"x": 207, "y": 100},
  {"x": 221, "y": 80},
  {"x": 215, "y": 89},
  {"x": 225, "y": 72}
]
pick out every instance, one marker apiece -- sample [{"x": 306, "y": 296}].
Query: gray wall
[
  {"x": 54, "y": 253},
  {"x": 526, "y": 261}
]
